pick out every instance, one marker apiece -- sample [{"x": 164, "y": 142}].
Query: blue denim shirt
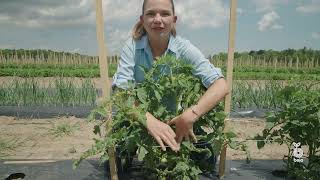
[{"x": 137, "y": 53}]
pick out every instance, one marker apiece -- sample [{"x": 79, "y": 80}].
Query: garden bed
[{"x": 33, "y": 139}]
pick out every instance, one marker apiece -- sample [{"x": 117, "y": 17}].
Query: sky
[{"x": 70, "y": 25}]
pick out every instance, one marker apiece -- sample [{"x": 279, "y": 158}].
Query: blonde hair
[{"x": 138, "y": 30}]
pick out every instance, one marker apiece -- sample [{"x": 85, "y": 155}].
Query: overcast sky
[{"x": 69, "y": 25}]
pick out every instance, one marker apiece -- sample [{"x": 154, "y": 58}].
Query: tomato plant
[
  {"x": 168, "y": 89},
  {"x": 297, "y": 122}
]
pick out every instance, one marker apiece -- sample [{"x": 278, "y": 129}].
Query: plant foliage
[
  {"x": 168, "y": 89},
  {"x": 298, "y": 121}
]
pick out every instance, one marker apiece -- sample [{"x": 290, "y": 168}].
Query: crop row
[
  {"x": 274, "y": 76},
  {"x": 29, "y": 92},
  {"x": 113, "y": 66},
  {"x": 47, "y": 70},
  {"x": 62, "y": 92},
  {"x": 89, "y": 71}
]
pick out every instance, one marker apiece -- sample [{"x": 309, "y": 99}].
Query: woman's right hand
[{"x": 162, "y": 133}]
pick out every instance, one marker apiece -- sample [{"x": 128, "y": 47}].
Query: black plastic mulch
[
  {"x": 83, "y": 112},
  {"x": 92, "y": 170}
]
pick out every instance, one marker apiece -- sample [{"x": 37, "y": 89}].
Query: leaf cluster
[
  {"x": 298, "y": 120},
  {"x": 169, "y": 88}
]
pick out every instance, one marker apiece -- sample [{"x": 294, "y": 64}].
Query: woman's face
[{"x": 158, "y": 18}]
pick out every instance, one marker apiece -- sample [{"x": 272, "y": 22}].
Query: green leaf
[
  {"x": 230, "y": 135},
  {"x": 260, "y": 144},
  {"x": 97, "y": 130},
  {"x": 197, "y": 88},
  {"x": 141, "y": 153},
  {"x": 269, "y": 125},
  {"x": 182, "y": 167},
  {"x": 233, "y": 145},
  {"x": 157, "y": 94},
  {"x": 188, "y": 145},
  {"x": 130, "y": 102},
  {"x": 142, "y": 95},
  {"x": 160, "y": 111}
]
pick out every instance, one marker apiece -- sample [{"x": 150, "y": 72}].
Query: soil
[{"x": 35, "y": 141}]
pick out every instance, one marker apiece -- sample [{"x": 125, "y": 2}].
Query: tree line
[{"x": 303, "y": 54}]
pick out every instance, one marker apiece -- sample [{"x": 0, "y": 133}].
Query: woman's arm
[
  {"x": 184, "y": 122},
  {"x": 216, "y": 92},
  {"x": 211, "y": 78}
]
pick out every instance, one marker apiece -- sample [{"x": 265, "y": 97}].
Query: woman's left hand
[{"x": 184, "y": 125}]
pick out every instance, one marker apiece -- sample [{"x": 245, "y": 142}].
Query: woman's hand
[
  {"x": 184, "y": 125},
  {"x": 162, "y": 133}
]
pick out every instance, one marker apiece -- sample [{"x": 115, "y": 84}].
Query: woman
[{"x": 153, "y": 36}]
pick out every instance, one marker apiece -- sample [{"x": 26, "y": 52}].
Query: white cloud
[
  {"x": 47, "y": 14},
  {"x": 268, "y": 21},
  {"x": 115, "y": 39},
  {"x": 4, "y": 18},
  {"x": 65, "y": 12},
  {"x": 313, "y": 7},
  {"x": 75, "y": 50},
  {"x": 268, "y": 5},
  {"x": 315, "y": 35},
  {"x": 122, "y": 9},
  {"x": 202, "y": 13}
]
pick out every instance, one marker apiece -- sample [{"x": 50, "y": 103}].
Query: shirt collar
[{"x": 143, "y": 43}]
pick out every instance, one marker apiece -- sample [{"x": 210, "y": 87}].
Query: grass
[
  {"x": 8, "y": 145},
  {"x": 64, "y": 129}
]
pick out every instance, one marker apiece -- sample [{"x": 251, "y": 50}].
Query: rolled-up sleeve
[
  {"x": 203, "y": 69},
  {"x": 125, "y": 69}
]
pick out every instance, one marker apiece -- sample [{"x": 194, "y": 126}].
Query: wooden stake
[
  {"x": 232, "y": 31},
  {"x": 104, "y": 77}
]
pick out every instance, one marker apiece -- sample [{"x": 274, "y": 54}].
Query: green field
[
  {"x": 265, "y": 68},
  {"x": 302, "y": 64}
]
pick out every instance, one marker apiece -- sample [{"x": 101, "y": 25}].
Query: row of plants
[
  {"x": 45, "y": 70},
  {"x": 94, "y": 72},
  {"x": 25, "y": 92},
  {"x": 274, "y": 76},
  {"x": 277, "y": 70},
  {"x": 296, "y": 124},
  {"x": 85, "y": 73},
  {"x": 113, "y": 65},
  {"x": 46, "y": 66},
  {"x": 296, "y": 57},
  {"x": 60, "y": 92},
  {"x": 256, "y": 94}
]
